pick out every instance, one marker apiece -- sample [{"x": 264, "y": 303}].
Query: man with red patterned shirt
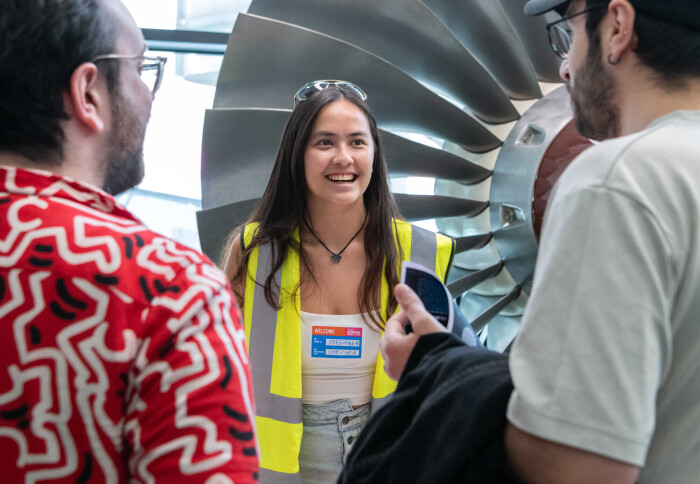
[{"x": 122, "y": 358}]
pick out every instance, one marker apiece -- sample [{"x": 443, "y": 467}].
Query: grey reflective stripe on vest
[
  {"x": 378, "y": 403},
  {"x": 424, "y": 247},
  {"x": 266, "y": 476},
  {"x": 262, "y": 344}
]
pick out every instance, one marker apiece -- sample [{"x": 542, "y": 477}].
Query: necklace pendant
[{"x": 335, "y": 258}]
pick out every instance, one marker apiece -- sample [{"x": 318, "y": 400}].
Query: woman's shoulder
[
  {"x": 247, "y": 233},
  {"x": 233, "y": 253}
]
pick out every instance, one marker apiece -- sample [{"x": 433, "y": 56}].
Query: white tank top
[{"x": 338, "y": 358}]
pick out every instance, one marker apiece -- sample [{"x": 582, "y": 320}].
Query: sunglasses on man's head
[{"x": 313, "y": 87}]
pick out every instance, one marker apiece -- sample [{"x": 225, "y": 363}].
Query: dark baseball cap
[{"x": 682, "y": 12}]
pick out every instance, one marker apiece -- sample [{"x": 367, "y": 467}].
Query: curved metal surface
[
  {"x": 457, "y": 227},
  {"x": 513, "y": 181},
  {"x": 406, "y": 157},
  {"x": 267, "y": 60},
  {"x": 494, "y": 309},
  {"x": 501, "y": 332},
  {"x": 469, "y": 279},
  {"x": 215, "y": 224},
  {"x": 470, "y": 242},
  {"x": 421, "y": 207},
  {"x": 239, "y": 147},
  {"x": 408, "y": 35},
  {"x": 483, "y": 27},
  {"x": 530, "y": 29},
  {"x": 478, "y": 259}
]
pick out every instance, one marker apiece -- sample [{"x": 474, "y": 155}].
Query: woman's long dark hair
[{"x": 282, "y": 206}]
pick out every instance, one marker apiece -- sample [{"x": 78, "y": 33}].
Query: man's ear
[
  {"x": 619, "y": 35},
  {"x": 87, "y": 98}
]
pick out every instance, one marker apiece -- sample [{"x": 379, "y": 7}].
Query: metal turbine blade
[
  {"x": 408, "y": 35},
  {"x": 472, "y": 242},
  {"x": 466, "y": 280},
  {"x": 485, "y": 171},
  {"x": 485, "y": 30},
  {"x": 239, "y": 149},
  {"x": 529, "y": 30},
  {"x": 408, "y": 158},
  {"x": 420, "y": 207},
  {"x": 493, "y": 308},
  {"x": 215, "y": 225},
  {"x": 286, "y": 56}
]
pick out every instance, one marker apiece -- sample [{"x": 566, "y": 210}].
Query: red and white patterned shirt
[{"x": 122, "y": 358}]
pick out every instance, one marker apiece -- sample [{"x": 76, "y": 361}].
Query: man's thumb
[
  {"x": 421, "y": 320},
  {"x": 407, "y": 298}
]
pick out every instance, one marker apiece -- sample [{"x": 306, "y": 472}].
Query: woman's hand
[{"x": 396, "y": 346}]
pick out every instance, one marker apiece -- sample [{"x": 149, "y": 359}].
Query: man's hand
[{"x": 396, "y": 345}]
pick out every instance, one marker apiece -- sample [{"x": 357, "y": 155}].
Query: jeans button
[
  {"x": 345, "y": 420},
  {"x": 350, "y": 439}
]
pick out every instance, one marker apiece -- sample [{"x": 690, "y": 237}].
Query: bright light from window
[
  {"x": 153, "y": 14},
  {"x": 208, "y": 15},
  {"x": 173, "y": 147}
]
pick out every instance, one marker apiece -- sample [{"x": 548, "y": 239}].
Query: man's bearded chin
[
  {"x": 123, "y": 160},
  {"x": 124, "y": 171},
  {"x": 593, "y": 96}
]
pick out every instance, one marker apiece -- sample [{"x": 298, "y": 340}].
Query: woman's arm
[{"x": 232, "y": 263}]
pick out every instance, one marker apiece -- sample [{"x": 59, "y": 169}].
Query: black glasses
[
  {"x": 315, "y": 86},
  {"x": 151, "y": 68},
  {"x": 560, "y": 35}
]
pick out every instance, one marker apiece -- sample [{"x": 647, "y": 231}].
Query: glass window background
[{"x": 170, "y": 195}]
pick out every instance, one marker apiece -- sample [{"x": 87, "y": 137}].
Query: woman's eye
[
  {"x": 323, "y": 142},
  {"x": 359, "y": 141}
]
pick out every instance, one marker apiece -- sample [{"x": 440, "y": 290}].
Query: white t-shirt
[
  {"x": 608, "y": 358},
  {"x": 338, "y": 358}
]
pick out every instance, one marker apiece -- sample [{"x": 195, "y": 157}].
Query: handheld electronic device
[{"x": 430, "y": 289}]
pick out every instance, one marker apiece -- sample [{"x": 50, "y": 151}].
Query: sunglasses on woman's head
[{"x": 313, "y": 87}]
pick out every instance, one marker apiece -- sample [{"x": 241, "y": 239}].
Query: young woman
[{"x": 312, "y": 269}]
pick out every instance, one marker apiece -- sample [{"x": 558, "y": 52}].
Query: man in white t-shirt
[{"x": 606, "y": 367}]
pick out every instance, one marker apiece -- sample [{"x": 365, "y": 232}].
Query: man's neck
[
  {"x": 13, "y": 159},
  {"x": 642, "y": 102},
  {"x": 81, "y": 172}
]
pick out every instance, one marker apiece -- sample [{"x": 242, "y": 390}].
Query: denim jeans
[{"x": 329, "y": 433}]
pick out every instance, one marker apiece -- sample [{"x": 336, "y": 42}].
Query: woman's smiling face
[{"x": 339, "y": 156}]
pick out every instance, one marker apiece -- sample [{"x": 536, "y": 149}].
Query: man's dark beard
[
  {"x": 124, "y": 156},
  {"x": 596, "y": 114}
]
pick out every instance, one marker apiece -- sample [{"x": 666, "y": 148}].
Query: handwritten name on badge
[{"x": 330, "y": 342}]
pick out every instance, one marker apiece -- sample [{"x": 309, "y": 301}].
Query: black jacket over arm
[{"x": 445, "y": 422}]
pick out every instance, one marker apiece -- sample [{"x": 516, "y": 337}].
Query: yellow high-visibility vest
[{"x": 274, "y": 341}]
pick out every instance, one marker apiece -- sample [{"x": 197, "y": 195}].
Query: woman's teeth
[{"x": 341, "y": 178}]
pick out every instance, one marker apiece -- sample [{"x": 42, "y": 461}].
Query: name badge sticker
[{"x": 329, "y": 342}]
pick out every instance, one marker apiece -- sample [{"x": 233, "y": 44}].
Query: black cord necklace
[{"x": 335, "y": 258}]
